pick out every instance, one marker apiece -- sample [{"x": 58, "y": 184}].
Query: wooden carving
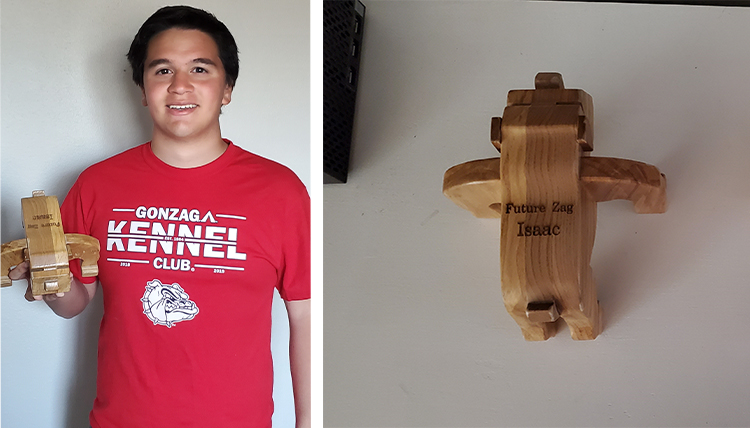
[
  {"x": 47, "y": 248},
  {"x": 544, "y": 188}
]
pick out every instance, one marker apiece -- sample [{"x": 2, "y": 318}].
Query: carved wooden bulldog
[
  {"x": 544, "y": 188},
  {"x": 47, "y": 248}
]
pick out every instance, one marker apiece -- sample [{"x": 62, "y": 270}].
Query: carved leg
[
  {"x": 533, "y": 331},
  {"x": 586, "y": 324},
  {"x": 608, "y": 178},
  {"x": 585, "y": 318},
  {"x": 536, "y": 331},
  {"x": 85, "y": 248},
  {"x": 585, "y": 321},
  {"x": 539, "y": 332}
]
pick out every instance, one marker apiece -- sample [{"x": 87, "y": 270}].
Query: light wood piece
[
  {"x": 47, "y": 248},
  {"x": 544, "y": 188}
]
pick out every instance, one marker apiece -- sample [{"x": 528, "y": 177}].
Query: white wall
[
  {"x": 415, "y": 330},
  {"x": 67, "y": 102}
]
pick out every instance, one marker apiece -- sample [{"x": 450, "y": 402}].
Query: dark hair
[{"x": 186, "y": 18}]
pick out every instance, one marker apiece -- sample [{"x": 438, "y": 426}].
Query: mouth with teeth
[{"x": 182, "y": 107}]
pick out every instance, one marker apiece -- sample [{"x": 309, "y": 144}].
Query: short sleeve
[
  {"x": 294, "y": 283},
  {"x": 74, "y": 221}
]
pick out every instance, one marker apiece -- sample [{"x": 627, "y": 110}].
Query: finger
[
  {"x": 28, "y": 295},
  {"x": 19, "y": 272},
  {"x": 59, "y": 294},
  {"x": 51, "y": 297}
]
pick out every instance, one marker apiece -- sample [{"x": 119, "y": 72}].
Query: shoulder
[
  {"x": 114, "y": 164},
  {"x": 109, "y": 175},
  {"x": 274, "y": 174}
]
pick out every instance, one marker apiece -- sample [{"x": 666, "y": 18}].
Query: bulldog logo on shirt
[{"x": 167, "y": 304}]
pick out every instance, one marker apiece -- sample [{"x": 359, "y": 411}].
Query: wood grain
[
  {"x": 86, "y": 248},
  {"x": 13, "y": 254},
  {"x": 544, "y": 188},
  {"x": 45, "y": 239},
  {"x": 47, "y": 248}
]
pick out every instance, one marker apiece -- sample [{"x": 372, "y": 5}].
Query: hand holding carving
[{"x": 43, "y": 256}]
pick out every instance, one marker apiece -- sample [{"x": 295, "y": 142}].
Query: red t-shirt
[{"x": 189, "y": 261}]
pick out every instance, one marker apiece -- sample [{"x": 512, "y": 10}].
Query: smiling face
[{"x": 184, "y": 87}]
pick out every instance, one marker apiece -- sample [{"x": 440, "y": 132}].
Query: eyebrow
[{"x": 163, "y": 61}]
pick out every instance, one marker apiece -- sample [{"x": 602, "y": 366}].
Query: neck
[{"x": 188, "y": 154}]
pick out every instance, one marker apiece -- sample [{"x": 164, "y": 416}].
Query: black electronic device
[{"x": 343, "y": 25}]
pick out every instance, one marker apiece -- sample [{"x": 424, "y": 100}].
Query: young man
[{"x": 195, "y": 234}]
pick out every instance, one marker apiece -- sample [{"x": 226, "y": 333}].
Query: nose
[{"x": 180, "y": 83}]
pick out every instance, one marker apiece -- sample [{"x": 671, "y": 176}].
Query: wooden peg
[
  {"x": 47, "y": 248},
  {"x": 544, "y": 189}
]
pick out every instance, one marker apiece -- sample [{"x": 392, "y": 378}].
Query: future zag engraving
[{"x": 557, "y": 207}]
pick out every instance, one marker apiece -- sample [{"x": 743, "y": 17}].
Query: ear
[
  {"x": 227, "y": 95},
  {"x": 143, "y": 97}
]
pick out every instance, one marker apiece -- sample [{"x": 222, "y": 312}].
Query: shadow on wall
[
  {"x": 87, "y": 325},
  {"x": 82, "y": 390},
  {"x": 133, "y": 125}
]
